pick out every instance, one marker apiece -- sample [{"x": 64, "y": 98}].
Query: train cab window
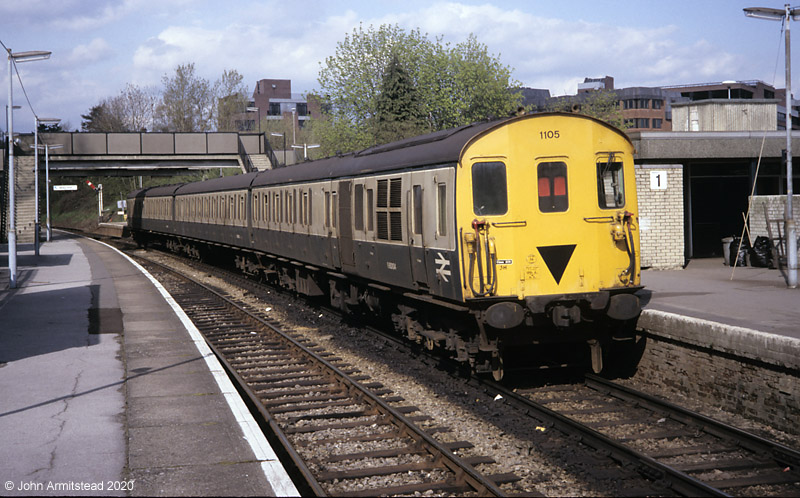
[
  {"x": 553, "y": 195},
  {"x": 610, "y": 184},
  {"x": 489, "y": 188}
]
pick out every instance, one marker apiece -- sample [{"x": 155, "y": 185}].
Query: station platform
[
  {"x": 744, "y": 311},
  {"x": 105, "y": 391}
]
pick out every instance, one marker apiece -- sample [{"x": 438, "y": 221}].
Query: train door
[
  {"x": 416, "y": 209},
  {"x": 346, "y": 249},
  {"x": 331, "y": 224}
]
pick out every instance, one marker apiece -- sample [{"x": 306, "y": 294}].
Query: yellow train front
[{"x": 546, "y": 212}]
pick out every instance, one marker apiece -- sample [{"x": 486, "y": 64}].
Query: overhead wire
[{"x": 19, "y": 78}]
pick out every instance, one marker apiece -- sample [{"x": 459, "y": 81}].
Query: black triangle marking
[{"x": 557, "y": 258}]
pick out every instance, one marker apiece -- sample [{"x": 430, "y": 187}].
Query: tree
[
  {"x": 231, "y": 99},
  {"x": 131, "y": 110},
  {"x": 187, "y": 102},
  {"x": 397, "y": 107},
  {"x": 453, "y": 85},
  {"x": 103, "y": 118}
]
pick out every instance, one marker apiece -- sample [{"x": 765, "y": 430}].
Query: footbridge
[{"x": 152, "y": 154}]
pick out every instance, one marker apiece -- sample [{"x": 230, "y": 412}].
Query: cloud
[
  {"x": 96, "y": 50},
  {"x": 557, "y": 54},
  {"x": 256, "y": 50}
]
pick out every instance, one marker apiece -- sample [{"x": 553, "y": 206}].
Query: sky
[{"x": 98, "y": 46}]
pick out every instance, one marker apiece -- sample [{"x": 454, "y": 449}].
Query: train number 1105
[{"x": 544, "y": 135}]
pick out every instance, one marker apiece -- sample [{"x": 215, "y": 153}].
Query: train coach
[{"x": 512, "y": 235}]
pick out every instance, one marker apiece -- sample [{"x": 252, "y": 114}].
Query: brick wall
[
  {"x": 757, "y": 392},
  {"x": 661, "y": 220}
]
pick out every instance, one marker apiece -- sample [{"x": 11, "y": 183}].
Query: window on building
[
  {"x": 274, "y": 109},
  {"x": 658, "y": 103},
  {"x": 302, "y": 108},
  {"x": 552, "y": 185},
  {"x": 489, "y": 188},
  {"x": 610, "y": 185},
  {"x": 657, "y": 123}
]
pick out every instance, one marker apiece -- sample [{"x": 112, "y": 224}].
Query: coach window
[
  {"x": 334, "y": 211},
  {"x": 552, "y": 187},
  {"x": 310, "y": 219},
  {"x": 370, "y": 210},
  {"x": 489, "y": 188},
  {"x": 358, "y": 207},
  {"x": 417, "y": 194},
  {"x": 610, "y": 185},
  {"x": 327, "y": 209},
  {"x": 441, "y": 203}
]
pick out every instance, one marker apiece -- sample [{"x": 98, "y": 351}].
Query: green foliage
[
  {"x": 398, "y": 113},
  {"x": 600, "y": 104},
  {"x": 187, "y": 102},
  {"x": 131, "y": 110},
  {"x": 232, "y": 99},
  {"x": 452, "y": 86}
]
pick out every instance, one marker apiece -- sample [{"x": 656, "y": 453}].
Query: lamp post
[
  {"x": 305, "y": 148},
  {"x": 36, "y": 224},
  {"x": 274, "y": 134},
  {"x": 787, "y": 14},
  {"x": 256, "y": 110},
  {"x": 294, "y": 119},
  {"x": 46, "y": 148},
  {"x": 12, "y": 225}
]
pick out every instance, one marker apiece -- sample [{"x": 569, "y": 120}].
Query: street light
[
  {"x": 305, "y": 148},
  {"x": 284, "y": 144},
  {"x": 258, "y": 110},
  {"x": 12, "y": 226},
  {"x": 36, "y": 224},
  {"x": 787, "y": 13},
  {"x": 294, "y": 119},
  {"x": 36, "y": 148}
]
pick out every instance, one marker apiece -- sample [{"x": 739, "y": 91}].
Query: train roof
[
  {"x": 236, "y": 182},
  {"x": 441, "y": 147}
]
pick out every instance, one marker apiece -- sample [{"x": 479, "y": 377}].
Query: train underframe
[{"x": 551, "y": 332}]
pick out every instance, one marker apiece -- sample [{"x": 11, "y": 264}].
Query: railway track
[
  {"x": 680, "y": 450},
  {"x": 674, "y": 450},
  {"x": 343, "y": 434}
]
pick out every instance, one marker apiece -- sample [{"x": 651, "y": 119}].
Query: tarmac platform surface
[
  {"x": 105, "y": 391},
  {"x": 755, "y": 298}
]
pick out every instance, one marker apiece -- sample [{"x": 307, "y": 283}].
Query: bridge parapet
[{"x": 116, "y": 144}]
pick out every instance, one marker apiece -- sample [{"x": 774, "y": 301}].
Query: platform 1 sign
[
  {"x": 658, "y": 180},
  {"x": 65, "y": 187}
]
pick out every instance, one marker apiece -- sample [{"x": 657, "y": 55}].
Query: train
[{"x": 512, "y": 237}]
